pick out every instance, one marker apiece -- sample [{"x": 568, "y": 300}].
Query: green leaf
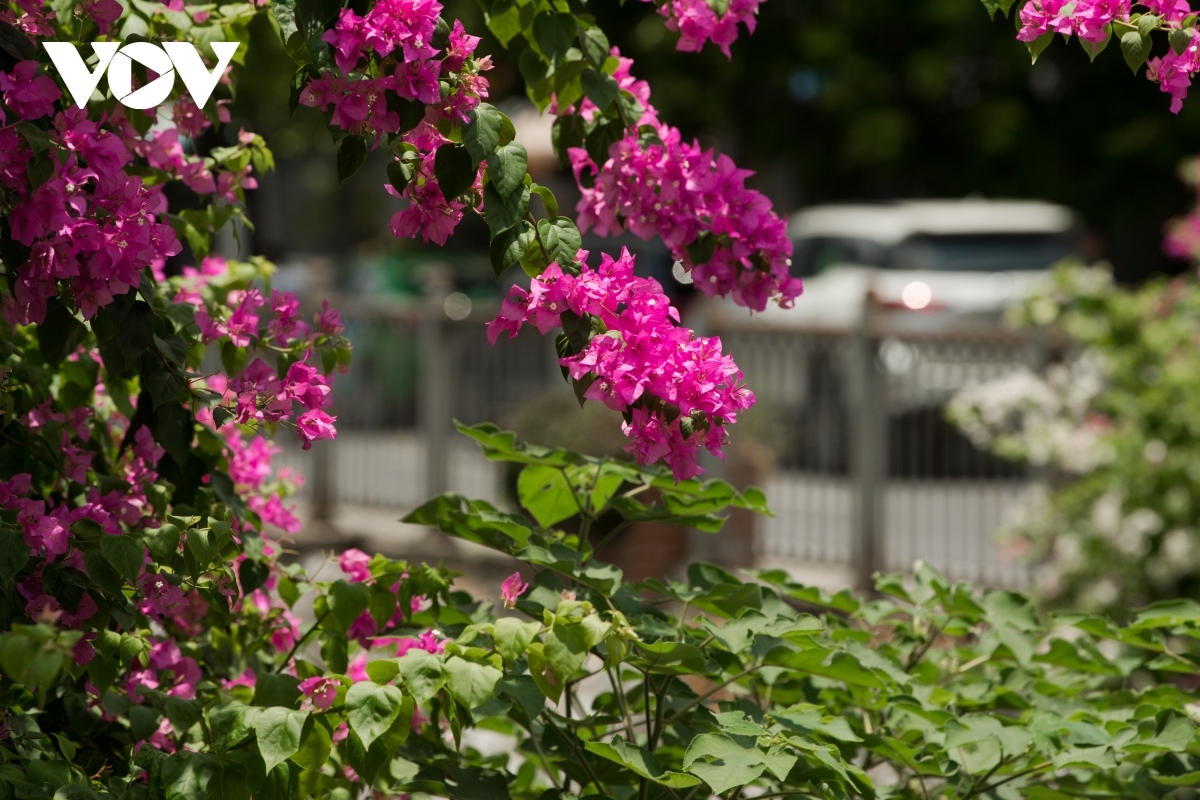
[
  {"x": 1010, "y": 608},
  {"x": 503, "y": 212},
  {"x": 1094, "y": 49},
  {"x": 163, "y": 542},
  {"x": 473, "y": 520},
  {"x": 504, "y": 21},
  {"x": 554, "y": 33},
  {"x": 351, "y": 154},
  {"x": 125, "y": 553},
  {"x": 470, "y": 682},
  {"x": 454, "y": 169},
  {"x": 165, "y": 385},
  {"x": 14, "y": 555},
  {"x": 510, "y": 246},
  {"x": 507, "y": 167},
  {"x": 600, "y": 88},
  {"x": 601, "y": 137},
  {"x": 566, "y": 237},
  {"x": 60, "y": 334},
  {"x": 1167, "y": 614},
  {"x": 315, "y": 748},
  {"x": 272, "y": 689},
  {"x": 548, "y": 200},
  {"x": 278, "y": 731},
  {"x": 202, "y": 544},
  {"x": 230, "y": 724},
  {"x": 512, "y": 636},
  {"x": 422, "y": 674},
  {"x": 641, "y": 761},
  {"x": 182, "y": 713},
  {"x": 482, "y": 134},
  {"x": 172, "y": 347},
  {"x": 133, "y": 334},
  {"x": 1136, "y": 48},
  {"x": 566, "y": 649},
  {"x": 993, "y": 6},
  {"x": 190, "y": 776},
  {"x": 567, "y": 132},
  {"x": 595, "y": 47},
  {"x": 371, "y": 709},
  {"x": 722, "y": 763},
  {"x": 174, "y": 428},
  {"x": 1038, "y": 45},
  {"x": 524, "y": 690},
  {"x": 347, "y": 601},
  {"x": 546, "y": 494}
]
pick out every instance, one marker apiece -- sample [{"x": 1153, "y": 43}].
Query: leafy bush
[
  {"x": 153, "y": 642},
  {"x": 713, "y": 685}
]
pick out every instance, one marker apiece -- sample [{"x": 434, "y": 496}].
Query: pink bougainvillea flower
[
  {"x": 321, "y": 691},
  {"x": 511, "y": 589}
]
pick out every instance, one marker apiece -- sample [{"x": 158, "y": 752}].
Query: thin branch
[{"x": 680, "y": 714}]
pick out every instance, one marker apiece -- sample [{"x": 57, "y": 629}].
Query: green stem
[
  {"x": 301, "y": 641},
  {"x": 985, "y": 789},
  {"x": 680, "y": 714}
]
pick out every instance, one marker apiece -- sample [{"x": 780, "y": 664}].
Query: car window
[
  {"x": 980, "y": 252},
  {"x": 813, "y": 254}
]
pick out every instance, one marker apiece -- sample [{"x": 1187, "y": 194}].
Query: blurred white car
[{"x": 931, "y": 264}]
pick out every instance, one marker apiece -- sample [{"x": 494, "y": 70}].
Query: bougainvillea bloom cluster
[
  {"x": 677, "y": 389},
  {"x": 399, "y": 34},
  {"x": 89, "y": 219},
  {"x": 1094, "y": 21},
  {"x": 699, "y": 21},
  {"x": 687, "y": 196}
]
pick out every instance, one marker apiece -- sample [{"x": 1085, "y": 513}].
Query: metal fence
[{"x": 868, "y": 473}]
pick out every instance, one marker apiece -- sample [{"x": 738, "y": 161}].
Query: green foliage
[{"x": 717, "y": 684}]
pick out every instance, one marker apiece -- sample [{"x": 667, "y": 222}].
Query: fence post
[
  {"x": 435, "y": 392},
  {"x": 869, "y": 453}
]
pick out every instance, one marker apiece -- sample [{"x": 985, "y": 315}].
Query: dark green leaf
[
  {"x": 482, "y": 134},
  {"x": 125, "y": 553},
  {"x": 351, "y": 154},
  {"x": 454, "y": 169},
  {"x": 507, "y": 167},
  {"x": 60, "y": 334},
  {"x": 554, "y": 33}
]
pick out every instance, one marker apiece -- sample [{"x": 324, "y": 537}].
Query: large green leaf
[
  {"x": 641, "y": 761},
  {"x": 371, "y": 709},
  {"x": 278, "y": 731},
  {"x": 546, "y": 494},
  {"x": 723, "y": 763},
  {"x": 422, "y": 673},
  {"x": 513, "y": 635},
  {"x": 347, "y": 601},
  {"x": 470, "y": 682}
]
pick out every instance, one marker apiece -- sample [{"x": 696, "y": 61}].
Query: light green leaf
[
  {"x": 512, "y": 636},
  {"x": 278, "y": 731},
  {"x": 546, "y": 494},
  {"x": 371, "y": 709},
  {"x": 722, "y": 763},
  {"x": 470, "y": 682},
  {"x": 642, "y": 761},
  {"x": 423, "y": 675}
]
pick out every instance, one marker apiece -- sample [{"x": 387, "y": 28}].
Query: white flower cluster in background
[{"x": 1043, "y": 421}]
